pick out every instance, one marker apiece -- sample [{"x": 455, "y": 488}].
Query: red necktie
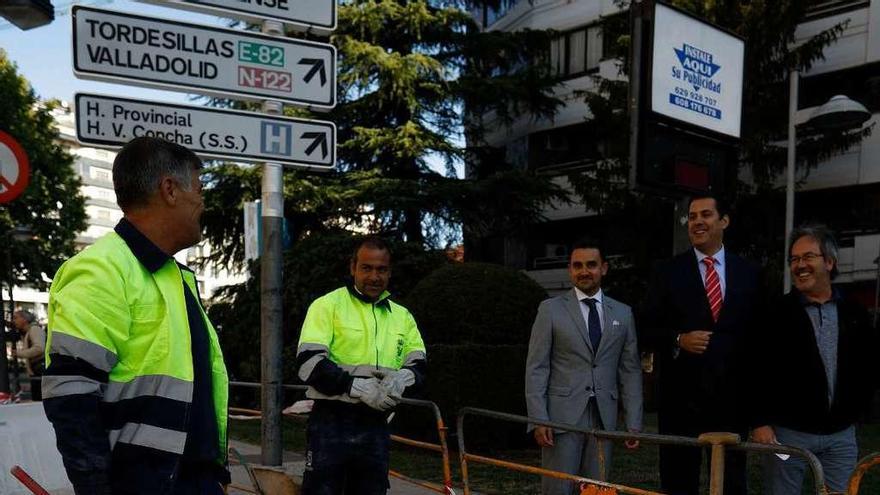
[{"x": 713, "y": 287}]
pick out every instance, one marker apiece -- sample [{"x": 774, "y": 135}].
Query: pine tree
[{"x": 408, "y": 71}]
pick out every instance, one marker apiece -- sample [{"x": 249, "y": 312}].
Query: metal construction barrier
[
  {"x": 855, "y": 480},
  {"x": 718, "y": 443},
  {"x": 441, "y": 447}
]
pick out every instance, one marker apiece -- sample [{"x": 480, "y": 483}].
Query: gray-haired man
[
  {"x": 136, "y": 387},
  {"x": 815, "y": 377}
]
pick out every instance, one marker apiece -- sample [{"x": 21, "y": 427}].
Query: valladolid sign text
[
  {"x": 167, "y": 54},
  {"x": 697, "y": 74}
]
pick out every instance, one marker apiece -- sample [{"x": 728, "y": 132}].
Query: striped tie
[{"x": 713, "y": 287}]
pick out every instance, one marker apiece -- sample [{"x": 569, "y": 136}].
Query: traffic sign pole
[{"x": 271, "y": 290}]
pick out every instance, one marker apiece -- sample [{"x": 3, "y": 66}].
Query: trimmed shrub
[
  {"x": 475, "y": 303},
  {"x": 476, "y": 319}
]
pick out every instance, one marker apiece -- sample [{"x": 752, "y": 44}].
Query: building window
[
  {"x": 595, "y": 46},
  {"x": 492, "y": 14},
  {"x": 101, "y": 174},
  {"x": 562, "y": 147},
  {"x": 828, "y": 8},
  {"x": 105, "y": 194},
  {"x": 103, "y": 215},
  {"x": 577, "y": 52}
]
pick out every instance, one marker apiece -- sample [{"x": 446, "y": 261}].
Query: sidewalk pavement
[{"x": 294, "y": 464}]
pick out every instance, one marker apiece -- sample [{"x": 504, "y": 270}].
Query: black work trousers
[{"x": 347, "y": 450}]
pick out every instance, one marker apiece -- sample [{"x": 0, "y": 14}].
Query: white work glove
[
  {"x": 397, "y": 381},
  {"x": 372, "y": 393}
]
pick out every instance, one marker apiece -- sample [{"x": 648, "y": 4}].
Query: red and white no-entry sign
[{"x": 14, "y": 168}]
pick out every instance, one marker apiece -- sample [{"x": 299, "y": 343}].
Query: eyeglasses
[{"x": 806, "y": 258}]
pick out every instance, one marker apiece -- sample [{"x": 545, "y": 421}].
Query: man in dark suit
[
  {"x": 817, "y": 375},
  {"x": 699, "y": 307},
  {"x": 583, "y": 357}
]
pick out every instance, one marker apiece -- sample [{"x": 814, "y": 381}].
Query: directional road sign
[
  {"x": 14, "y": 168},
  {"x": 111, "y": 122},
  {"x": 318, "y": 16},
  {"x": 114, "y": 46}
]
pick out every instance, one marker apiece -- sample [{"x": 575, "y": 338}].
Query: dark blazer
[
  {"x": 792, "y": 389},
  {"x": 700, "y": 392}
]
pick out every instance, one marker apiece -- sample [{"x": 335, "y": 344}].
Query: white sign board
[
  {"x": 317, "y": 16},
  {"x": 240, "y": 136},
  {"x": 253, "y": 230},
  {"x": 697, "y": 74},
  {"x": 166, "y": 54}
]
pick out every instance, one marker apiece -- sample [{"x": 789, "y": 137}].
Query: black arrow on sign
[
  {"x": 317, "y": 68},
  {"x": 317, "y": 138}
]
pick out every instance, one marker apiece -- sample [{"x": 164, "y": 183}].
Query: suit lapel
[
  {"x": 574, "y": 309},
  {"x": 731, "y": 279},
  {"x": 609, "y": 315}
]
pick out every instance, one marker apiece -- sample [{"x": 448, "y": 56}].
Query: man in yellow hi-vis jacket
[
  {"x": 358, "y": 352},
  {"x": 136, "y": 387}
]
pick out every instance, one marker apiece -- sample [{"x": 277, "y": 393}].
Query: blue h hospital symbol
[{"x": 275, "y": 138}]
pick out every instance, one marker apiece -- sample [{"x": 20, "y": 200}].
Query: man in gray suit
[{"x": 583, "y": 357}]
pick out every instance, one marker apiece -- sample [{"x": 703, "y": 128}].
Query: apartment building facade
[{"x": 844, "y": 191}]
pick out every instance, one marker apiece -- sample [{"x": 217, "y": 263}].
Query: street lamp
[
  {"x": 17, "y": 234},
  {"x": 838, "y": 113},
  {"x": 27, "y": 14}
]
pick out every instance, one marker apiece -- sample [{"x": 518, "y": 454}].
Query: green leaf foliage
[{"x": 51, "y": 206}]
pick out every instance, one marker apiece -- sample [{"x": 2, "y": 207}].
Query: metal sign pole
[
  {"x": 4, "y": 361},
  {"x": 635, "y": 88},
  {"x": 271, "y": 290}
]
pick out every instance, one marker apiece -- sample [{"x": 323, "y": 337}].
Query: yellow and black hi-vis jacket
[
  {"x": 345, "y": 336},
  {"x": 120, "y": 382}
]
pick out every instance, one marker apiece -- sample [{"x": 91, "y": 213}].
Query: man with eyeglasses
[
  {"x": 816, "y": 377},
  {"x": 697, "y": 315}
]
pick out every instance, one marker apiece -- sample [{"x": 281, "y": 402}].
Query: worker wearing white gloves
[{"x": 359, "y": 353}]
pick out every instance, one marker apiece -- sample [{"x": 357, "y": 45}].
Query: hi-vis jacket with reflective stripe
[
  {"x": 120, "y": 367},
  {"x": 345, "y": 336}
]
